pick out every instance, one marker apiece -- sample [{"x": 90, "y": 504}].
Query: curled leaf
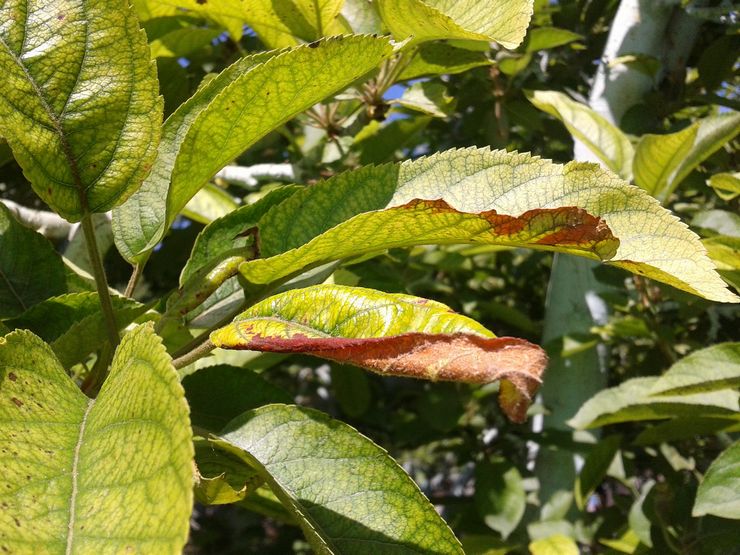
[{"x": 391, "y": 334}]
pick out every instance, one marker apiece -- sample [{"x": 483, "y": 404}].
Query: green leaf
[
  {"x": 502, "y": 21},
  {"x": 226, "y": 235},
  {"x": 604, "y": 139},
  {"x": 222, "y": 476},
  {"x": 378, "y": 143},
  {"x": 229, "y": 14},
  {"x": 74, "y": 324},
  {"x": 658, "y": 156},
  {"x": 544, "y": 38},
  {"x": 499, "y": 495},
  {"x": 231, "y": 112},
  {"x": 479, "y": 196},
  {"x": 713, "y": 133},
  {"x": 716, "y": 367},
  {"x": 112, "y": 474},
  {"x": 218, "y": 394},
  {"x": 687, "y": 427},
  {"x": 208, "y": 204},
  {"x": 724, "y": 250},
  {"x": 362, "y": 17},
  {"x": 347, "y": 494},
  {"x": 30, "y": 269},
  {"x": 281, "y": 23},
  {"x": 351, "y": 389},
  {"x": 86, "y": 135},
  {"x": 391, "y": 334},
  {"x": 631, "y": 401},
  {"x": 719, "y": 491},
  {"x": 182, "y": 42},
  {"x": 726, "y": 185},
  {"x": 554, "y": 545},
  {"x": 437, "y": 58},
  {"x": 594, "y": 469},
  {"x": 428, "y": 97}
]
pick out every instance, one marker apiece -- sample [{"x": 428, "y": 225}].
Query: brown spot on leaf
[
  {"x": 568, "y": 226},
  {"x": 18, "y": 402},
  {"x": 453, "y": 357},
  {"x": 201, "y": 2},
  {"x": 12, "y": 377},
  {"x": 314, "y": 44}
]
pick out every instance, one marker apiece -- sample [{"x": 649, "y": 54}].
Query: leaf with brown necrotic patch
[{"x": 393, "y": 335}]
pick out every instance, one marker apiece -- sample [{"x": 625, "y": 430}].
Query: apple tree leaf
[
  {"x": 59, "y": 494},
  {"x": 79, "y": 101}
]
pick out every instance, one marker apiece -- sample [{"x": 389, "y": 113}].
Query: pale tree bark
[{"x": 657, "y": 28}]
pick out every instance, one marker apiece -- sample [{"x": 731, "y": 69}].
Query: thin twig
[
  {"x": 134, "y": 280},
  {"x": 199, "y": 352}
]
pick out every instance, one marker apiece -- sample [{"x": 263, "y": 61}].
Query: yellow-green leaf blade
[
  {"x": 391, "y": 334},
  {"x": 245, "y": 102},
  {"x": 658, "y": 156},
  {"x": 719, "y": 491},
  {"x": 652, "y": 241},
  {"x": 79, "y": 101},
  {"x": 502, "y": 21},
  {"x": 287, "y": 22},
  {"x": 604, "y": 139},
  {"x": 716, "y": 367},
  {"x": 726, "y": 185},
  {"x": 632, "y": 401},
  {"x": 435, "y": 222},
  {"x": 348, "y": 495},
  {"x": 61, "y": 495}
]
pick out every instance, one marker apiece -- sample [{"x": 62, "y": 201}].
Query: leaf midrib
[{"x": 75, "y": 476}]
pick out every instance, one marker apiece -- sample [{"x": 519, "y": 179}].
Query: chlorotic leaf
[
  {"x": 222, "y": 476},
  {"x": 347, "y": 494},
  {"x": 603, "y": 138},
  {"x": 716, "y": 367},
  {"x": 726, "y": 185},
  {"x": 658, "y": 156},
  {"x": 557, "y": 544},
  {"x": 712, "y": 134},
  {"x": 30, "y": 269},
  {"x": 208, "y": 204},
  {"x": 229, "y": 14},
  {"x": 719, "y": 491},
  {"x": 502, "y": 21},
  {"x": 479, "y": 196},
  {"x": 632, "y": 401},
  {"x": 59, "y": 494},
  {"x": 252, "y": 97},
  {"x": 288, "y": 22},
  {"x": 79, "y": 101},
  {"x": 428, "y": 97},
  {"x": 391, "y": 334},
  {"x": 438, "y": 58}
]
